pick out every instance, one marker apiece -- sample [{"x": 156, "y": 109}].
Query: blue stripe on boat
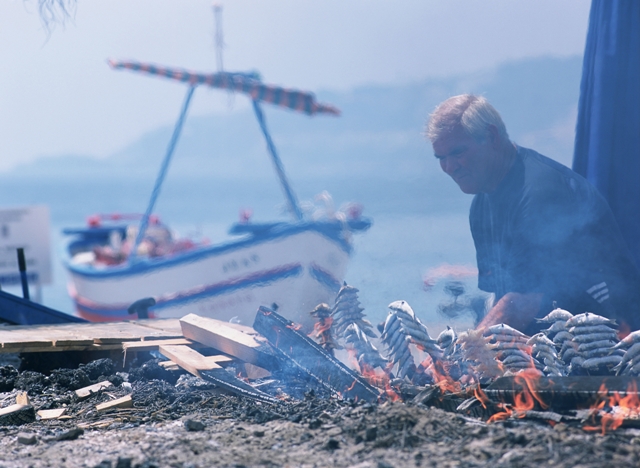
[
  {"x": 258, "y": 279},
  {"x": 324, "y": 277},
  {"x": 331, "y": 230}
]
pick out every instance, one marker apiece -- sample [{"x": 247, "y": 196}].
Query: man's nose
[{"x": 449, "y": 165}]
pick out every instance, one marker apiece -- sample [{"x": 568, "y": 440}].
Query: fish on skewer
[
  {"x": 347, "y": 310},
  {"x": 544, "y": 350},
  {"x": 594, "y": 340},
  {"x": 629, "y": 360},
  {"x": 556, "y": 315},
  {"x": 447, "y": 341},
  {"x": 477, "y": 357},
  {"x": 412, "y": 327},
  {"x": 590, "y": 319},
  {"x": 365, "y": 352},
  {"x": 512, "y": 348},
  {"x": 322, "y": 328},
  {"x": 397, "y": 341}
]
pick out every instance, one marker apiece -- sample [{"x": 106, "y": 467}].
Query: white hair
[{"x": 473, "y": 113}]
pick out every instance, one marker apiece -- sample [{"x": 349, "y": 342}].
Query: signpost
[{"x": 25, "y": 228}]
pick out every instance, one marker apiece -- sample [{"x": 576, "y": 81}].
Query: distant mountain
[{"x": 372, "y": 151}]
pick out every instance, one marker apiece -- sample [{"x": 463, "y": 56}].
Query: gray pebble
[{"x": 27, "y": 439}]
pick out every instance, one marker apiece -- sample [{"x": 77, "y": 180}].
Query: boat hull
[{"x": 295, "y": 267}]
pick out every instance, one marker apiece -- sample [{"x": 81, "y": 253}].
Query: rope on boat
[{"x": 144, "y": 223}]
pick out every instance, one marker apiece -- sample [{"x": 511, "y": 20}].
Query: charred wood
[{"x": 310, "y": 357}]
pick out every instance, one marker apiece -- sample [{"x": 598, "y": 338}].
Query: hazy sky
[{"x": 59, "y": 96}]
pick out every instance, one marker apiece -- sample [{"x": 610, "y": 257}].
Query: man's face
[{"x": 469, "y": 163}]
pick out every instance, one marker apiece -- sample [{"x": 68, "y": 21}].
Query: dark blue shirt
[{"x": 545, "y": 229}]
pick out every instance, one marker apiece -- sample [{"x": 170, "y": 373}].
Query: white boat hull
[{"x": 296, "y": 270}]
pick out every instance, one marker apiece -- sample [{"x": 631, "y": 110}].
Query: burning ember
[
  {"x": 613, "y": 410},
  {"x": 502, "y": 372}
]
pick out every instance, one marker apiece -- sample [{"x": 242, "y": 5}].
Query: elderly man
[{"x": 543, "y": 234}]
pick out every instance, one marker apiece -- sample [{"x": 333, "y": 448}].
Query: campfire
[{"x": 575, "y": 371}]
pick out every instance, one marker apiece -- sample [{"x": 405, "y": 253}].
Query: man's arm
[{"x": 514, "y": 309}]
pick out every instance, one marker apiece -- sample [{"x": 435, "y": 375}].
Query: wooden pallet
[{"x": 86, "y": 336}]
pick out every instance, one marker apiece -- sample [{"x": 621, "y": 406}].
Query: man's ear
[{"x": 494, "y": 137}]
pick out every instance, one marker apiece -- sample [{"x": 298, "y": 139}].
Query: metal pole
[
  {"x": 291, "y": 197},
  {"x": 22, "y": 266},
  {"x": 217, "y": 12},
  {"x": 161, "y": 175}
]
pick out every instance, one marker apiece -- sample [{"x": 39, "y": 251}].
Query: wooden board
[
  {"x": 164, "y": 326},
  {"x": 169, "y": 365},
  {"x": 15, "y": 415},
  {"x": 154, "y": 345},
  {"x": 86, "y": 392},
  {"x": 124, "y": 402},
  {"x": 85, "y": 336},
  {"x": 309, "y": 357},
  {"x": 248, "y": 347},
  {"x": 51, "y": 413},
  {"x": 191, "y": 360},
  {"x": 22, "y": 398}
]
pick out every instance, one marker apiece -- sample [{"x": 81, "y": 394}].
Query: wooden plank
[
  {"x": 255, "y": 372},
  {"x": 311, "y": 358},
  {"x": 86, "y": 392},
  {"x": 11, "y": 409},
  {"x": 251, "y": 348},
  {"x": 91, "y": 347},
  {"x": 51, "y": 413},
  {"x": 20, "y": 341},
  {"x": 124, "y": 402},
  {"x": 165, "y": 326},
  {"x": 153, "y": 345},
  {"x": 22, "y": 398},
  {"x": 78, "y": 335},
  {"x": 207, "y": 367},
  {"x": 191, "y": 360},
  {"x": 173, "y": 326},
  {"x": 56, "y": 334},
  {"x": 17, "y": 414},
  {"x": 67, "y": 342},
  {"x": 128, "y": 331},
  {"x": 169, "y": 365}
]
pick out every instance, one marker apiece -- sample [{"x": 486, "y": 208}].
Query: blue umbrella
[{"x": 607, "y": 148}]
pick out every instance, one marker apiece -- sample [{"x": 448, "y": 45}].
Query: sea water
[{"x": 415, "y": 231}]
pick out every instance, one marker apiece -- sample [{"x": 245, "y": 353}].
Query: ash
[{"x": 178, "y": 420}]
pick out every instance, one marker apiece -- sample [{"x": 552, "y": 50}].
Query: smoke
[
  {"x": 460, "y": 302},
  {"x": 447, "y": 271}
]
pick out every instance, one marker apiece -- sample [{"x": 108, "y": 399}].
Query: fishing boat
[{"x": 117, "y": 260}]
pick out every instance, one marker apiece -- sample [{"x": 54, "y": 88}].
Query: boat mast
[
  {"x": 292, "y": 200},
  {"x": 144, "y": 223},
  {"x": 217, "y": 13}
]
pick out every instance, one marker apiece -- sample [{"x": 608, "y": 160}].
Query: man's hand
[{"x": 514, "y": 309}]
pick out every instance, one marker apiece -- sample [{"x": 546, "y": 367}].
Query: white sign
[{"x": 28, "y": 228}]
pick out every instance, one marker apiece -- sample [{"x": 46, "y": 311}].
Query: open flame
[
  {"x": 441, "y": 376},
  {"x": 614, "y": 409},
  {"x": 377, "y": 377},
  {"x": 322, "y": 326},
  {"x": 524, "y": 400},
  {"x": 481, "y": 396}
]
